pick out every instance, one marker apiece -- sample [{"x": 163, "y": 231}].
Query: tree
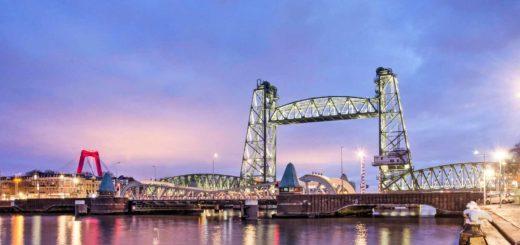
[
  {"x": 33, "y": 172},
  {"x": 512, "y": 168}
]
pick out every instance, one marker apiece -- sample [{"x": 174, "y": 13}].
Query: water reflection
[
  {"x": 203, "y": 226},
  {"x": 249, "y": 234},
  {"x": 62, "y": 229},
  {"x": 405, "y": 237},
  {"x": 17, "y": 230},
  {"x": 223, "y": 227},
  {"x": 76, "y": 232},
  {"x": 361, "y": 234},
  {"x": 384, "y": 236},
  {"x": 36, "y": 230}
]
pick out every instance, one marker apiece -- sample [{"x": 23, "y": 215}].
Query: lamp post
[
  {"x": 363, "y": 184},
  {"x": 16, "y": 181},
  {"x": 501, "y": 156},
  {"x": 62, "y": 177},
  {"x": 488, "y": 172},
  {"x": 341, "y": 160},
  {"x": 215, "y": 156},
  {"x": 484, "y": 155},
  {"x": 154, "y": 172},
  {"x": 37, "y": 185}
]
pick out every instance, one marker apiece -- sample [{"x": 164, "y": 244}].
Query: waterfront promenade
[{"x": 506, "y": 220}]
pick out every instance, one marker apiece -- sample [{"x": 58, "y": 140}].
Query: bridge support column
[
  {"x": 250, "y": 210},
  {"x": 80, "y": 208}
]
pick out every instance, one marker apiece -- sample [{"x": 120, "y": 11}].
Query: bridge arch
[
  {"x": 207, "y": 181},
  {"x": 467, "y": 176},
  {"x": 160, "y": 190}
]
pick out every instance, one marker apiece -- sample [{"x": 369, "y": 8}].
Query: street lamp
[
  {"x": 484, "y": 155},
  {"x": 62, "y": 177},
  {"x": 341, "y": 160},
  {"x": 215, "y": 156},
  {"x": 488, "y": 173},
  {"x": 361, "y": 156},
  {"x": 35, "y": 177},
  {"x": 16, "y": 180},
  {"x": 154, "y": 172},
  {"x": 500, "y": 155}
]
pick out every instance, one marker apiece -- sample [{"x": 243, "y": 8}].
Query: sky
[{"x": 169, "y": 83}]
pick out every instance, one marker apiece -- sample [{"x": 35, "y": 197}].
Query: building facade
[{"x": 48, "y": 185}]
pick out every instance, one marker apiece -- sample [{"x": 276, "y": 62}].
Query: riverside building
[{"x": 48, "y": 185}]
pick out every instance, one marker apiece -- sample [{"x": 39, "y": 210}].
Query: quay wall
[{"x": 101, "y": 205}]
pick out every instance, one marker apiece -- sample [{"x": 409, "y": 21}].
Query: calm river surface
[{"x": 224, "y": 228}]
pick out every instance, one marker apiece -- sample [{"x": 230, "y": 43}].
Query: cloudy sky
[{"x": 169, "y": 84}]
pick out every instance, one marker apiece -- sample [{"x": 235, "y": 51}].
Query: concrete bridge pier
[{"x": 250, "y": 210}]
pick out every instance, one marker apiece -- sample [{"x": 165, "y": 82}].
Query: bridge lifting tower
[
  {"x": 394, "y": 150},
  {"x": 259, "y": 158}
]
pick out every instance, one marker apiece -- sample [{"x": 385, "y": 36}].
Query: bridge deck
[{"x": 318, "y": 205}]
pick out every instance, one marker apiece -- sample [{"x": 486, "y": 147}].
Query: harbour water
[{"x": 224, "y": 227}]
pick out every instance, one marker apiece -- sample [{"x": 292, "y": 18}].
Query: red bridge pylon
[{"x": 93, "y": 154}]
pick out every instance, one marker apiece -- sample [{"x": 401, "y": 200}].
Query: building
[
  {"x": 37, "y": 184},
  {"x": 290, "y": 183}
]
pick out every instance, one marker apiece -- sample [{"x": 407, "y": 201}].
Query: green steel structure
[
  {"x": 162, "y": 190},
  {"x": 258, "y": 171},
  {"x": 455, "y": 176},
  {"x": 259, "y": 158},
  {"x": 207, "y": 181}
]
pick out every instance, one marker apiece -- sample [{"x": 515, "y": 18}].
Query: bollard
[
  {"x": 472, "y": 235},
  {"x": 251, "y": 210}
]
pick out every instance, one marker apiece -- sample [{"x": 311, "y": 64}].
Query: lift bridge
[{"x": 258, "y": 171}]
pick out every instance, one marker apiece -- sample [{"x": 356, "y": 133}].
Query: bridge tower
[
  {"x": 93, "y": 154},
  {"x": 394, "y": 150},
  {"x": 259, "y": 159}
]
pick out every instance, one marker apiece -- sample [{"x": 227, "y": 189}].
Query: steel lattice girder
[
  {"x": 159, "y": 190},
  {"x": 393, "y": 139},
  {"x": 325, "y": 109},
  {"x": 206, "y": 181},
  {"x": 259, "y": 158},
  {"x": 456, "y": 176}
]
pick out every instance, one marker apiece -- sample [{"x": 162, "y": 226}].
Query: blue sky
[{"x": 168, "y": 84}]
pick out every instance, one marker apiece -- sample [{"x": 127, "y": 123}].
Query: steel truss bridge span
[
  {"x": 207, "y": 181},
  {"x": 329, "y": 108},
  {"x": 449, "y": 177},
  {"x": 160, "y": 190}
]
